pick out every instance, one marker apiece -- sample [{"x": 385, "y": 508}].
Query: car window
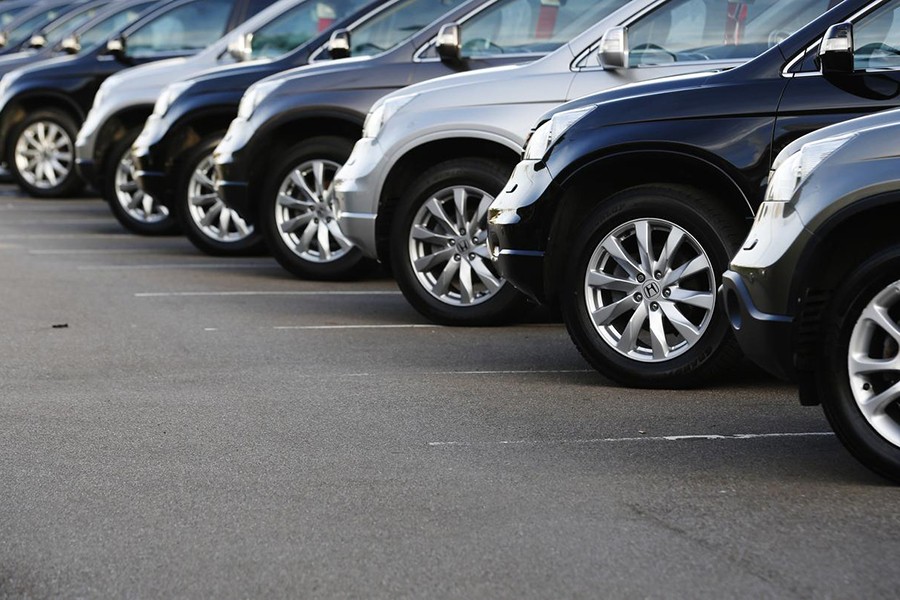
[
  {"x": 298, "y": 25},
  {"x": 692, "y": 30},
  {"x": 397, "y": 23},
  {"x": 8, "y": 15},
  {"x": 57, "y": 30},
  {"x": 186, "y": 28},
  {"x": 23, "y": 30},
  {"x": 101, "y": 30},
  {"x": 876, "y": 39},
  {"x": 529, "y": 26}
]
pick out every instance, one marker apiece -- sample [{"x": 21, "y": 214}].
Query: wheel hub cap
[
  {"x": 44, "y": 154},
  {"x": 448, "y": 247},
  {"x": 650, "y": 290}
]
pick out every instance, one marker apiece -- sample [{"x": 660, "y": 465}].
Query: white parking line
[
  {"x": 64, "y": 236},
  {"x": 665, "y": 438},
  {"x": 272, "y": 293},
  {"x": 42, "y": 252},
  {"x": 177, "y": 266},
  {"x": 397, "y": 326}
]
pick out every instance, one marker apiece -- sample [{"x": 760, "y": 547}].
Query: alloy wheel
[
  {"x": 304, "y": 213},
  {"x": 650, "y": 289},
  {"x": 448, "y": 247},
  {"x": 44, "y": 154},
  {"x": 137, "y": 205},
  {"x": 873, "y": 363},
  {"x": 209, "y": 214}
]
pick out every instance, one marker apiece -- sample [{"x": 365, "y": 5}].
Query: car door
[
  {"x": 812, "y": 100},
  {"x": 688, "y": 36}
]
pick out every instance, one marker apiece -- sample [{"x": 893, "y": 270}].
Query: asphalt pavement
[{"x": 177, "y": 425}]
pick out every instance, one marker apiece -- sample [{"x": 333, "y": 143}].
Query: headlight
[
  {"x": 254, "y": 95},
  {"x": 168, "y": 96},
  {"x": 794, "y": 170},
  {"x": 381, "y": 112},
  {"x": 550, "y": 131}
]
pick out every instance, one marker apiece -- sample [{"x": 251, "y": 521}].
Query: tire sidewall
[
  {"x": 838, "y": 403},
  {"x": 683, "y": 370},
  {"x": 349, "y": 266},
  {"x": 72, "y": 183},
  {"x": 489, "y": 176}
]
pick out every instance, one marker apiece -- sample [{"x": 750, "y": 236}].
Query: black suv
[
  {"x": 814, "y": 294},
  {"x": 630, "y": 203},
  {"x": 42, "y": 106}
]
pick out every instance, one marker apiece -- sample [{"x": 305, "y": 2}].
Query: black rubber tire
[
  {"x": 72, "y": 184},
  {"x": 350, "y": 266},
  {"x": 715, "y": 229},
  {"x": 254, "y": 244},
  {"x": 507, "y": 304},
  {"x": 853, "y": 430},
  {"x": 166, "y": 226}
]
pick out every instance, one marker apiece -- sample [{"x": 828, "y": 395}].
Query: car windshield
[
  {"x": 391, "y": 26},
  {"x": 61, "y": 27},
  {"x": 694, "y": 30},
  {"x": 112, "y": 23}
]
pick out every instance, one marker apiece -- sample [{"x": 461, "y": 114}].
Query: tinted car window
[
  {"x": 56, "y": 31},
  {"x": 23, "y": 30},
  {"x": 876, "y": 38},
  {"x": 299, "y": 25},
  {"x": 512, "y": 26},
  {"x": 8, "y": 15},
  {"x": 396, "y": 24},
  {"x": 104, "y": 28},
  {"x": 189, "y": 27},
  {"x": 688, "y": 30}
]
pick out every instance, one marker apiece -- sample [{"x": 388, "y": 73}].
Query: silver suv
[{"x": 415, "y": 191}]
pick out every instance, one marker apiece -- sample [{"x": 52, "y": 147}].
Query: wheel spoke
[
  {"x": 442, "y": 285},
  {"x": 224, "y": 221},
  {"x": 308, "y": 234},
  {"x": 324, "y": 241},
  {"x": 698, "y": 264},
  {"x": 459, "y": 201},
  {"x": 430, "y": 261},
  {"x": 705, "y": 300},
  {"x": 211, "y": 215},
  {"x": 658, "y": 343},
  {"x": 466, "y": 289},
  {"x": 682, "y": 325},
  {"x": 628, "y": 341},
  {"x": 205, "y": 199},
  {"x": 428, "y": 236},
  {"x": 295, "y": 223},
  {"x": 319, "y": 177},
  {"x": 291, "y": 203},
  {"x": 479, "y": 220},
  {"x": 299, "y": 181},
  {"x": 243, "y": 229},
  {"x": 645, "y": 253},
  {"x": 861, "y": 364},
  {"x": 673, "y": 243},
  {"x": 878, "y": 403},
  {"x": 204, "y": 180},
  {"x": 147, "y": 203},
  {"x": 608, "y": 313},
  {"x": 879, "y": 315},
  {"x": 598, "y": 279},
  {"x": 490, "y": 281},
  {"x": 338, "y": 235},
  {"x": 435, "y": 208},
  {"x": 618, "y": 253}
]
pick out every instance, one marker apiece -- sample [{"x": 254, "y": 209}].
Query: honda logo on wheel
[{"x": 651, "y": 289}]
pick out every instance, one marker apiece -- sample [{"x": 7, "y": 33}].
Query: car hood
[
  {"x": 478, "y": 84},
  {"x": 345, "y": 74},
  {"x": 237, "y": 76},
  {"x": 153, "y": 76}
]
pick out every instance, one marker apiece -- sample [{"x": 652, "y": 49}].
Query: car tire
[
  {"x": 440, "y": 260},
  {"x": 651, "y": 319},
  {"x": 860, "y": 397},
  {"x": 42, "y": 154},
  {"x": 297, "y": 213},
  {"x": 133, "y": 209},
  {"x": 210, "y": 225}
]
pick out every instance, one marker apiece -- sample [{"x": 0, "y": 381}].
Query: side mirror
[
  {"x": 241, "y": 47},
  {"x": 116, "y": 47},
  {"x": 339, "y": 44},
  {"x": 449, "y": 47},
  {"x": 836, "y": 50},
  {"x": 70, "y": 45},
  {"x": 613, "y": 51},
  {"x": 37, "y": 41}
]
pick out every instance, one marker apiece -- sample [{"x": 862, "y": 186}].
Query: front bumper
[
  {"x": 765, "y": 338},
  {"x": 150, "y": 161},
  {"x": 356, "y": 188},
  {"x": 233, "y": 168},
  {"x": 518, "y": 230},
  {"x": 85, "y": 143}
]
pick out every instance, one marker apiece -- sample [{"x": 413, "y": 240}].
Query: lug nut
[
  {"x": 474, "y": 239},
  {"x": 456, "y": 257},
  {"x": 658, "y": 275},
  {"x": 867, "y": 387},
  {"x": 638, "y": 297},
  {"x": 641, "y": 278},
  {"x": 654, "y": 306},
  {"x": 667, "y": 292},
  {"x": 450, "y": 243},
  {"x": 462, "y": 232},
  {"x": 471, "y": 256}
]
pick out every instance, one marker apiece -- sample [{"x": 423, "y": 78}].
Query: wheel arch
[
  {"x": 422, "y": 157},
  {"x": 588, "y": 185},
  {"x": 117, "y": 126},
  {"x": 21, "y": 106}
]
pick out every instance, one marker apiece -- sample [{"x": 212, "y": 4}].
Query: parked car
[
  {"x": 42, "y": 106},
  {"x": 628, "y": 204},
  {"x": 15, "y": 36},
  {"x": 54, "y": 32},
  {"x": 442, "y": 150},
  {"x": 293, "y": 132},
  {"x": 103, "y": 145},
  {"x": 814, "y": 292}
]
